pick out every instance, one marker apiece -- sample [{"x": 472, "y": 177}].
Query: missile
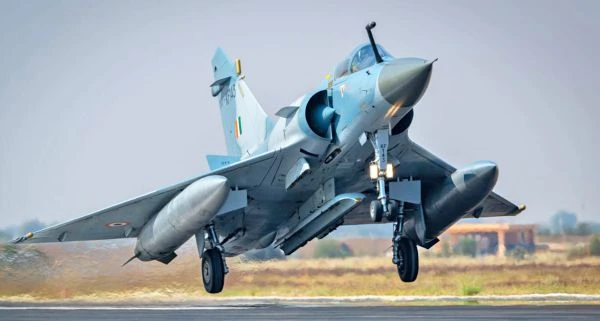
[{"x": 187, "y": 213}]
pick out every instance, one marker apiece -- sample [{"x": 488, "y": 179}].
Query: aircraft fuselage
[{"x": 363, "y": 101}]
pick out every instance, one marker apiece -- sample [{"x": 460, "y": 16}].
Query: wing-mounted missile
[{"x": 181, "y": 218}]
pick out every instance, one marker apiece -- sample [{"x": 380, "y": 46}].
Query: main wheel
[
  {"x": 408, "y": 265},
  {"x": 376, "y": 211},
  {"x": 213, "y": 271}
]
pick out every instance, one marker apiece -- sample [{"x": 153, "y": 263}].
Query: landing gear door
[{"x": 406, "y": 191}]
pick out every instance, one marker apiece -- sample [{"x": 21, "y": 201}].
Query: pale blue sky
[{"x": 101, "y": 101}]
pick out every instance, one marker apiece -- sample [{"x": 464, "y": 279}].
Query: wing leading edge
[
  {"x": 417, "y": 162},
  {"x": 494, "y": 205},
  {"x": 126, "y": 219}
]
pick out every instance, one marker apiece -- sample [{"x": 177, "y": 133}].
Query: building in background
[{"x": 492, "y": 239}]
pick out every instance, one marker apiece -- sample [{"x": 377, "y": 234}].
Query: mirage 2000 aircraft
[{"x": 338, "y": 155}]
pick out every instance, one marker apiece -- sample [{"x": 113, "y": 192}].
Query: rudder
[{"x": 245, "y": 123}]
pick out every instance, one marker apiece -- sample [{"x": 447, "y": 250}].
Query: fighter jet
[{"x": 338, "y": 155}]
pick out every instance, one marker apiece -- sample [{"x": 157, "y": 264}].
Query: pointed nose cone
[
  {"x": 404, "y": 81},
  {"x": 484, "y": 174}
]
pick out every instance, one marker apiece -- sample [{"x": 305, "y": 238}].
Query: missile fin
[{"x": 131, "y": 259}]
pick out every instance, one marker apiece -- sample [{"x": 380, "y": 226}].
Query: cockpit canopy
[{"x": 360, "y": 58}]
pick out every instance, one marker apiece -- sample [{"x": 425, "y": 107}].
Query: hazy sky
[{"x": 101, "y": 101}]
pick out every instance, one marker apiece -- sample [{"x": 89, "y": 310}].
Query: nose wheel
[{"x": 376, "y": 211}]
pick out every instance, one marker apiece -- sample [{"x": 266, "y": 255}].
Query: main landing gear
[
  {"x": 214, "y": 267},
  {"x": 405, "y": 254}
]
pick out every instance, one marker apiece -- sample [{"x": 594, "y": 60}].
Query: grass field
[{"x": 98, "y": 275}]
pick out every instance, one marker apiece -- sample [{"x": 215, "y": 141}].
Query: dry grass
[{"x": 97, "y": 275}]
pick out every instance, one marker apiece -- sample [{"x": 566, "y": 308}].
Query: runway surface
[{"x": 303, "y": 312}]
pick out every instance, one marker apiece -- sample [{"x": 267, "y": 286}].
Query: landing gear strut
[
  {"x": 405, "y": 254},
  {"x": 214, "y": 267},
  {"x": 380, "y": 141}
]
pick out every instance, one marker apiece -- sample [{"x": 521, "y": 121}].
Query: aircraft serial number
[{"x": 228, "y": 96}]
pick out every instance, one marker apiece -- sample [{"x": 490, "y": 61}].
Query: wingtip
[
  {"x": 23, "y": 238},
  {"x": 519, "y": 209}
]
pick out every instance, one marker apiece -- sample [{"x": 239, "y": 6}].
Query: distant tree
[
  {"x": 575, "y": 252},
  {"x": 563, "y": 222},
  {"x": 518, "y": 253},
  {"x": 467, "y": 246},
  {"x": 583, "y": 228},
  {"x": 594, "y": 227},
  {"x": 5, "y": 236},
  {"x": 445, "y": 252},
  {"x": 30, "y": 226},
  {"x": 595, "y": 245},
  {"x": 331, "y": 249},
  {"x": 544, "y": 230},
  {"x": 346, "y": 250}
]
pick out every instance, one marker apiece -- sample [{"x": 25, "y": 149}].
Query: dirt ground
[{"x": 83, "y": 271}]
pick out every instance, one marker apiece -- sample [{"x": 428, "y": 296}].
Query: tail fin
[{"x": 245, "y": 123}]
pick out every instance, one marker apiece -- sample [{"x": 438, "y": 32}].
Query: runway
[{"x": 300, "y": 312}]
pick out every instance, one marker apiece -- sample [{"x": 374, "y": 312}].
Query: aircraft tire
[
  {"x": 213, "y": 271},
  {"x": 408, "y": 267},
  {"x": 376, "y": 211},
  {"x": 392, "y": 214}
]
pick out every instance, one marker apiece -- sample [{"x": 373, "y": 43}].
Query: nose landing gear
[
  {"x": 378, "y": 171},
  {"x": 405, "y": 254}
]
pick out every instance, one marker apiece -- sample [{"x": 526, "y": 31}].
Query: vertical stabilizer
[{"x": 245, "y": 123}]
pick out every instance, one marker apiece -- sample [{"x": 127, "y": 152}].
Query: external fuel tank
[
  {"x": 181, "y": 218},
  {"x": 460, "y": 192}
]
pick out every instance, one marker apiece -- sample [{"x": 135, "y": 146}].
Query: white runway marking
[
  {"x": 240, "y": 303},
  {"x": 566, "y": 297},
  {"x": 555, "y": 297}
]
